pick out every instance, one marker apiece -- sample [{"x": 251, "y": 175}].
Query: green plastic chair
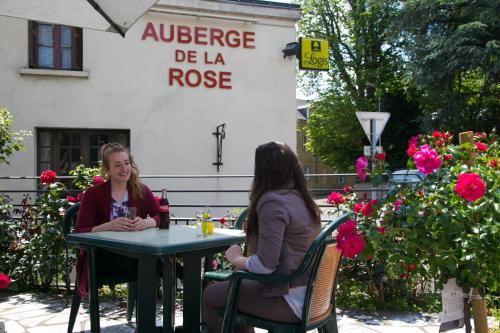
[
  {"x": 323, "y": 259},
  {"x": 241, "y": 218},
  {"x": 68, "y": 222}
]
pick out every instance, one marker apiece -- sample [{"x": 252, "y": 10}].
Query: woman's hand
[
  {"x": 121, "y": 224},
  {"x": 235, "y": 257},
  {"x": 141, "y": 224}
]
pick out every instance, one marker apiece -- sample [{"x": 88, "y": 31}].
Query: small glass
[
  {"x": 199, "y": 223},
  {"x": 131, "y": 212}
]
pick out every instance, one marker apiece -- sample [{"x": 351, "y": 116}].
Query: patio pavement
[{"x": 42, "y": 313}]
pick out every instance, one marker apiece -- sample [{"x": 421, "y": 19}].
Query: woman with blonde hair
[{"x": 104, "y": 207}]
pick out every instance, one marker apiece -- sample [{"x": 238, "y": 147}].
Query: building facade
[{"x": 183, "y": 69}]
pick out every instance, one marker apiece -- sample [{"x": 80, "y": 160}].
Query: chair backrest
[
  {"x": 321, "y": 304},
  {"x": 241, "y": 218},
  {"x": 70, "y": 218},
  {"x": 323, "y": 258}
]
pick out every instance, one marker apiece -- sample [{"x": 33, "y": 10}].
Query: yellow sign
[{"x": 313, "y": 54}]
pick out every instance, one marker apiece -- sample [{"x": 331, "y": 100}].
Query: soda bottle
[{"x": 164, "y": 210}]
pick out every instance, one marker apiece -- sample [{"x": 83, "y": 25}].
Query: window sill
[{"x": 54, "y": 72}]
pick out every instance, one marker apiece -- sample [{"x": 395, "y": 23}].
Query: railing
[{"x": 212, "y": 194}]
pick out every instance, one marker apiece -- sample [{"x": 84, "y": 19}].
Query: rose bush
[{"x": 447, "y": 226}]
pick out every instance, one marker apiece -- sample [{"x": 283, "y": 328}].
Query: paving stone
[{"x": 13, "y": 327}]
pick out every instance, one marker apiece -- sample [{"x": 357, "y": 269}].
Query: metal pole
[{"x": 374, "y": 147}]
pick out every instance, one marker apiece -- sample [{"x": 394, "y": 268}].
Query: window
[
  {"x": 62, "y": 150},
  {"x": 341, "y": 180},
  {"x": 54, "y": 46}
]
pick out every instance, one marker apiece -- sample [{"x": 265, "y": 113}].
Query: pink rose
[
  {"x": 47, "y": 177},
  {"x": 411, "y": 150},
  {"x": 470, "y": 186},
  {"x": 4, "y": 281},
  {"x": 96, "y": 180},
  {"x": 397, "y": 204},
  {"x": 361, "y": 165},
  {"x": 426, "y": 160},
  {"x": 335, "y": 198},
  {"x": 481, "y": 146}
]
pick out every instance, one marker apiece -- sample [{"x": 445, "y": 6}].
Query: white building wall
[{"x": 170, "y": 127}]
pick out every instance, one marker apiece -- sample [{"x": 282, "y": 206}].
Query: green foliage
[
  {"x": 33, "y": 250},
  {"x": 83, "y": 176},
  {"x": 332, "y": 133},
  {"x": 454, "y": 56},
  {"x": 10, "y": 141},
  {"x": 367, "y": 74}
]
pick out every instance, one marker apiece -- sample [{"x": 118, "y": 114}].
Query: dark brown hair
[
  {"x": 276, "y": 165},
  {"x": 133, "y": 182}
]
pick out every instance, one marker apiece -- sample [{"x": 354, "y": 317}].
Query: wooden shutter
[
  {"x": 77, "y": 49},
  {"x": 32, "y": 44}
]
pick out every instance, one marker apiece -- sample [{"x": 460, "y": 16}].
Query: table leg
[
  {"x": 93, "y": 295},
  {"x": 169, "y": 293},
  {"x": 146, "y": 294},
  {"x": 192, "y": 292}
]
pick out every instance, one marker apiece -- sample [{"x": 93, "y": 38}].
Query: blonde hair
[{"x": 133, "y": 182}]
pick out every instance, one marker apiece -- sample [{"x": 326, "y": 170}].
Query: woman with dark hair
[
  {"x": 104, "y": 206},
  {"x": 283, "y": 220}
]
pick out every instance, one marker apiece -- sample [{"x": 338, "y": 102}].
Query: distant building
[{"x": 313, "y": 164}]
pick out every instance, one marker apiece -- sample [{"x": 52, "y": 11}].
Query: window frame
[
  {"x": 85, "y": 146},
  {"x": 76, "y": 47}
]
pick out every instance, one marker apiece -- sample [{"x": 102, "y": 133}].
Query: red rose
[
  {"x": 214, "y": 264},
  {"x": 222, "y": 220},
  {"x": 335, "y": 198},
  {"x": 96, "y": 180},
  {"x": 481, "y": 146},
  {"x": 403, "y": 276},
  {"x": 366, "y": 210},
  {"x": 381, "y": 230},
  {"x": 411, "y": 150},
  {"x": 70, "y": 198},
  {"x": 358, "y": 206},
  {"x": 410, "y": 268},
  {"x": 347, "y": 189},
  {"x": 439, "y": 143},
  {"x": 47, "y": 177},
  {"x": 4, "y": 281},
  {"x": 13, "y": 245},
  {"x": 436, "y": 134},
  {"x": 380, "y": 156},
  {"x": 493, "y": 163},
  {"x": 470, "y": 186},
  {"x": 447, "y": 157},
  {"x": 79, "y": 196}
]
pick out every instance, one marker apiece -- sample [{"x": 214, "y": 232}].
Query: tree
[
  {"x": 10, "y": 141},
  {"x": 454, "y": 54},
  {"x": 366, "y": 68}
]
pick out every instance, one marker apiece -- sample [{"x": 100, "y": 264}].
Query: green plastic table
[{"x": 147, "y": 246}]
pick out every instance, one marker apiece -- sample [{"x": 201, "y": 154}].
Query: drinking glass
[
  {"x": 131, "y": 212},
  {"x": 199, "y": 222}
]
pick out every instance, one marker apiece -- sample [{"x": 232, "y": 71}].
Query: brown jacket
[{"x": 286, "y": 230}]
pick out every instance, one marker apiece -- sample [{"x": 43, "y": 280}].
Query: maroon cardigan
[{"x": 95, "y": 209}]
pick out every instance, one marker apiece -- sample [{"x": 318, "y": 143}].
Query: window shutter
[
  {"x": 77, "y": 49},
  {"x": 32, "y": 45}
]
